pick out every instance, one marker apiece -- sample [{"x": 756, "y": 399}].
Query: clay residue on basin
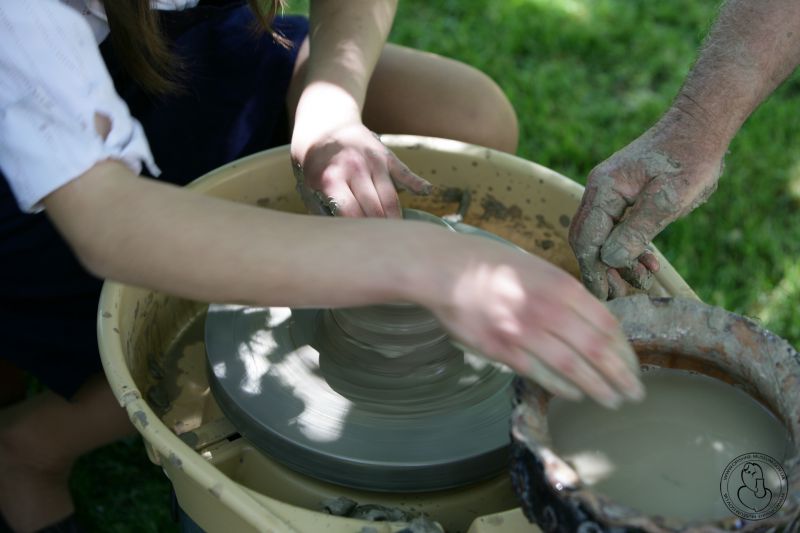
[
  {"x": 178, "y": 391},
  {"x": 517, "y": 223}
]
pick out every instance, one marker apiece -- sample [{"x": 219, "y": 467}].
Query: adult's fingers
[
  {"x": 404, "y": 179},
  {"x": 658, "y": 205},
  {"x": 649, "y": 260},
  {"x": 617, "y": 288},
  {"x": 638, "y": 275},
  {"x": 600, "y": 207}
]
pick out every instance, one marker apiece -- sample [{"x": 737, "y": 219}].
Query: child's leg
[
  {"x": 426, "y": 94},
  {"x": 40, "y": 439}
]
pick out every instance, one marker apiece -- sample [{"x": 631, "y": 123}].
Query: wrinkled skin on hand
[
  {"x": 520, "y": 310},
  {"x": 351, "y": 173},
  {"x": 630, "y": 198}
]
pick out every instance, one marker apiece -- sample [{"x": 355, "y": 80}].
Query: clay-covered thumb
[
  {"x": 658, "y": 205},
  {"x": 630, "y": 239}
]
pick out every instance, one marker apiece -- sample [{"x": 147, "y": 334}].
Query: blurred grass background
[{"x": 586, "y": 77}]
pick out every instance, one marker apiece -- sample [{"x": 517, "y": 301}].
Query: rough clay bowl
[
  {"x": 219, "y": 479},
  {"x": 670, "y": 333}
]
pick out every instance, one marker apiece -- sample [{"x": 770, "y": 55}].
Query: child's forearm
[
  {"x": 346, "y": 40},
  {"x": 151, "y": 234}
]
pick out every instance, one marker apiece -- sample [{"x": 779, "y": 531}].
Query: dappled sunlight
[
  {"x": 277, "y": 316},
  {"x": 273, "y": 361},
  {"x": 253, "y": 355},
  {"x": 220, "y": 370},
  {"x": 577, "y": 9},
  {"x": 294, "y": 373},
  {"x": 713, "y": 444},
  {"x": 592, "y": 466}
]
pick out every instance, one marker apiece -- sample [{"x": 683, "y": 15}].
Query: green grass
[
  {"x": 586, "y": 77},
  {"x": 118, "y": 490}
]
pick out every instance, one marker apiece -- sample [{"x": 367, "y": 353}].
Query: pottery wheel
[{"x": 375, "y": 398}]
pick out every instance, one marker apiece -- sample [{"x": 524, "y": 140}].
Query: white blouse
[{"x": 52, "y": 83}]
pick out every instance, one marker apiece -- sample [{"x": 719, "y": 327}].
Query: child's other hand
[{"x": 349, "y": 172}]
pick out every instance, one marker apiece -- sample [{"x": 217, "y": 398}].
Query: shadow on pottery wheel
[
  {"x": 375, "y": 397},
  {"x": 701, "y": 342}
]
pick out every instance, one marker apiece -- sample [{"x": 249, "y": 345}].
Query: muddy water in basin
[{"x": 666, "y": 455}]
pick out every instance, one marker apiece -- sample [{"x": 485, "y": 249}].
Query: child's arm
[
  {"x": 338, "y": 155},
  {"x": 510, "y": 306}
]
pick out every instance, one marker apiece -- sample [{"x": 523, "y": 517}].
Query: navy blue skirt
[{"x": 234, "y": 104}]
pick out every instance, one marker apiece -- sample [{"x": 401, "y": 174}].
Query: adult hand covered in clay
[
  {"x": 523, "y": 311},
  {"x": 633, "y": 195},
  {"x": 349, "y": 172},
  {"x": 674, "y": 166}
]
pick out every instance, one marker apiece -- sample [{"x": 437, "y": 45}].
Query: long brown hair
[{"x": 142, "y": 47}]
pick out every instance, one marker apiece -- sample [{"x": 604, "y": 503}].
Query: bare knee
[
  {"x": 493, "y": 117},
  {"x": 427, "y": 94}
]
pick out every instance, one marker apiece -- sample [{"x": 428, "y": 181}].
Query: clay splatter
[
  {"x": 175, "y": 460},
  {"x": 140, "y": 417},
  {"x": 494, "y": 208}
]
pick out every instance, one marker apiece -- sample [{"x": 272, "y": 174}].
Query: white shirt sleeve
[{"x": 52, "y": 83}]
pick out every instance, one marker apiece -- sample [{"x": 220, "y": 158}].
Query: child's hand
[
  {"x": 520, "y": 310},
  {"x": 349, "y": 172}
]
